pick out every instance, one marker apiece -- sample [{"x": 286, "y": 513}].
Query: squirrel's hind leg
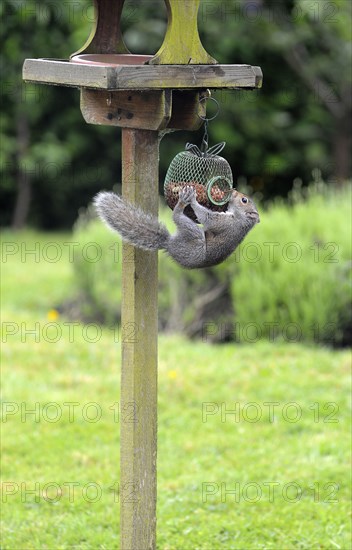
[
  {"x": 188, "y": 245},
  {"x": 187, "y": 228}
]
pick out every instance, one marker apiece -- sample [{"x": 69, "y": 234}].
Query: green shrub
[
  {"x": 289, "y": 280},
  {"x": 97, "y": 268},
  {"x": 292, "y": 279}
]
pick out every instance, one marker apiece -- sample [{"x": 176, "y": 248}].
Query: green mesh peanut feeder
[
  {"x": 208, "y": 173},
  {"x": 203, "y": 169}
]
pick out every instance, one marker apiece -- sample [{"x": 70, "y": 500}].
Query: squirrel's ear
[{"x": 234, "y": 193}]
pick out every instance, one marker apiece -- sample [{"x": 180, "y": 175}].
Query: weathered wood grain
[
  {"x": 141, "y": 77},
  {"x": 105, "y": 36},
  {"x": 139, "y": 352},
  {"x": 60, "y": 72},
  {"x": 149, "y": 110}
]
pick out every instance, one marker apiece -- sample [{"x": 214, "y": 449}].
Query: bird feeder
[{"x": 144, "y": 95}]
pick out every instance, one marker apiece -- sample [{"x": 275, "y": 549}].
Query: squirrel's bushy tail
[{"x": 134, "y": 225}]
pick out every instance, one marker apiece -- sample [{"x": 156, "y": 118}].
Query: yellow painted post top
[{"x": 182, "y": 44}]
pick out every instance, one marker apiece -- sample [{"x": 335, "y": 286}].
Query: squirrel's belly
[
  {"x": 217, "y": 253},
  {"x": 188, "y": 254}
]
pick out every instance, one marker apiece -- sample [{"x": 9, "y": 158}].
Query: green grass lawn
[{"x": 254, "y": 440}]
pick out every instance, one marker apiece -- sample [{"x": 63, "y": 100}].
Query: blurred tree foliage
[{"x": 52, "y": 162}]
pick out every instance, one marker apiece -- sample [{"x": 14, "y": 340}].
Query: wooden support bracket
[
  {"x": 187, "y": 111},
  {"x": 147, "y": 110},
  {"x": 144, "y": 110}
]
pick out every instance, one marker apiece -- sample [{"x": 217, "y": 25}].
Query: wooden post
[{"x": 139, "y": 352}]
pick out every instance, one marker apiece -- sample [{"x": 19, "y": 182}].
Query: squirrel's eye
[{"x": 244, "y": 200}]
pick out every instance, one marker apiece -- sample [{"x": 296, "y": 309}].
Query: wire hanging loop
[
  {"x": 205, "y": 118},
  {"x": 205, "y": 141}
]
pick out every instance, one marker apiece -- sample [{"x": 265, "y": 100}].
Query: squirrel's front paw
[{"x": 187, "y": 195}]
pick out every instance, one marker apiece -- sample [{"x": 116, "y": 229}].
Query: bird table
[{"x": 146, "y": 96}]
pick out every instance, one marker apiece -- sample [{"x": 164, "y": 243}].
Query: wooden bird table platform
[{"x": 144, "y": 95}]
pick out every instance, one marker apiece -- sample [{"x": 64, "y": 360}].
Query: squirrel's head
[{"x": 244, "y": 205}]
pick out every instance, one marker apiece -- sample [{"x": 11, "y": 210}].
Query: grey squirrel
[{"x": 193, "y": 245}]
